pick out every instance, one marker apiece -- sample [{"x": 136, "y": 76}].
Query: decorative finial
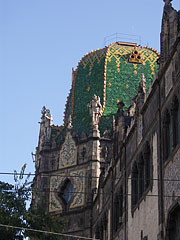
[{"x": 95, "y": 109}]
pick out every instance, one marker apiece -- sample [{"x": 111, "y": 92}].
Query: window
[
  {"x": 171, "y": 129},
  {"x": 167, "y": 134},
  {"x": 66, "y": 193},
  {"x": 141, "y": 167},
  {"x": 118, "y": 209},
  {"x": 173, "y": 228},
  {"x": 148, "y": 165},
  {"x": 134, "y": 184},
  {"x": 175, "y": 127},
  {"x": 141, "y": 175}
]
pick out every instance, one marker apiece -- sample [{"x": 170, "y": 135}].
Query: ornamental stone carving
[
  {"x": 68, "y": 153},
  {"x": 77, "y": 179}
]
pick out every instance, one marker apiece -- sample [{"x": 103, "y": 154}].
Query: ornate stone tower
[{"x": 71, "y": 159}]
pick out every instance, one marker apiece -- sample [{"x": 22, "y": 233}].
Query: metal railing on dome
[{"x": 121, "y": 37}]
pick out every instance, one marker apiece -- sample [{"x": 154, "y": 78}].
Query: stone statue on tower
[
  {"x": 95, "y": 109},
  {"x": 167, "y": 2}
]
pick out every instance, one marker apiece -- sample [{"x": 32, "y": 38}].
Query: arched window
[
  {"x": 175, "y": 127},
  {"x": 173, "y": 227},
  {"x": 134, "y": 184},
  {"x": 167, "y": 136},
  {"x": 118, "y": 209},
  {"x": 66, "y": 193},
  {"x": 141, "y": 175},
  {"x": 141, "y": 167},
  {"x": 116, "y": 144},
  {"x": 148, "y": 165}
]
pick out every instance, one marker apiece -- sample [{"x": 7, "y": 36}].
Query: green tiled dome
[{"x": 112, "y": 74}]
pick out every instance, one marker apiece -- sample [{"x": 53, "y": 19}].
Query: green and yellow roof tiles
[
  {"x": 123, "y": 77},
  {"x": 89, "y": 80},
  {"x": 56, "y": 131},
  {"x": 108, "y": 73}
]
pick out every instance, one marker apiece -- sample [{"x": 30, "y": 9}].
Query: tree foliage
[
  {"x": 14, "y": 212},
  {"x": 42, "y": 220}
]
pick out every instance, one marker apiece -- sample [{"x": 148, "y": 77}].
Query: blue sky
[{"x": 40, "y": 42}]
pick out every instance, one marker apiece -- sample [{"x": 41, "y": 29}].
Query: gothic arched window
[
  {"x": 66, "y": 192},
  {"x": 141, "y": 175},
  {"x": 148, "y": 165},
  {"x": 167, "y": 136},
  {"x": 134, "y": 184},
  {"x": 175, "y": 127},
  {"x": 173, "y": 229},
  {"x": 118, "y": 209},
  {"x": 141, "y": 179}
]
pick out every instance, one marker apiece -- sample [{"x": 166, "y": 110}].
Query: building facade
[{"x": 112, "y": 171}]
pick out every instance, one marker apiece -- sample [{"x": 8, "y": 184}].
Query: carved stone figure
[
  {"x": 43, "y": 111},
  {"x": 95, "y": 109},
  {"x": 132, "y": 109},
  {"x": 141, "y": 91},
  {"x": 167, "y": 1},
  {"x": 142, "y": 83},
  {"x": 46, "y": 114},
  {"x": 46, "y": 122}
]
